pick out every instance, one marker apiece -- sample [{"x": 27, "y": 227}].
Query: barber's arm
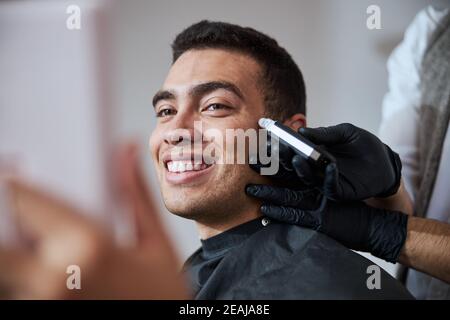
[
  {"x": 427, "y": 247},
  {"x": 365, "y": 168},
  {"x": 427, "y": 240}
]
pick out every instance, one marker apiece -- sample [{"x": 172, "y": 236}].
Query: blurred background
[{"x": 343, "y": 62}]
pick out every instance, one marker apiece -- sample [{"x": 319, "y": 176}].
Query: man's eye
[
  {"x": 165, "y": 112},
  {"x": 216, "y": 106}
]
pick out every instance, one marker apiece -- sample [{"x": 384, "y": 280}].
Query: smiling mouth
[
  {"x": 187, "y": 172},
  {"x": 180, "y": 166}
]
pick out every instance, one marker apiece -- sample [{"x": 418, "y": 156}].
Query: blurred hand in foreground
[{"x": 58, "y": 236}]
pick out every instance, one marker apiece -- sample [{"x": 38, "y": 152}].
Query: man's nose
[
  {"x": 178, "y": 136},
  {"x": 182, "y": 131}
]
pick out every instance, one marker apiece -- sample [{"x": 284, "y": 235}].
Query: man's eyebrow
[
  {"x": 162, "y": 95},
  {"x": 199, "y": 90},
  {"x": 207, "y": 87}
]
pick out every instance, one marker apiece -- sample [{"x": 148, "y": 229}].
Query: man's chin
[
  {"x": 199, "y": 208},
  {"x": 185, "y": 203},
  {"x": 185, "y": 211}
]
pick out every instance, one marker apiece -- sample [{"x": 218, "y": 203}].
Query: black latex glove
[
  {"x": 288, "y": 161},
  {"x": 365, "y": 167},
  {"x": 354, "y": 224}
]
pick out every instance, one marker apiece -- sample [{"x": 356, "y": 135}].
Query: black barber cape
[{"x": 264, "y": 259}]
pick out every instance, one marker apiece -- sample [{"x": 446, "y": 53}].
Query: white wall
[{"x": 343, "y": 62}]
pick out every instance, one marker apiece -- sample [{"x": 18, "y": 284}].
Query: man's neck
[{"x": 208, "y": 230}]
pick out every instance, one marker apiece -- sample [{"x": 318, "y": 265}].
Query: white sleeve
[{"x": 400, "y": 111}]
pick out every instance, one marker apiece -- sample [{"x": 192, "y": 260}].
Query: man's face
[{"x": 222, "y": 90}]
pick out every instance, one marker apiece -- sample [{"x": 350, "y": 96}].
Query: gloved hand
[
  {"x": 354, "y": 224},
  {"x": 365, "y": 167},
  {"x": 285, "y": 174}
]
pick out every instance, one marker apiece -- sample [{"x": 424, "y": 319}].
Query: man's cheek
[{"x": 154, "y": 143}]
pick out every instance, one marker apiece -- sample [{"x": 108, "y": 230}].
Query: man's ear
[{"x": 296, "y": 121}]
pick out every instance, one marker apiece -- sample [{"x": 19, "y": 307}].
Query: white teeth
[{"x": 182, "y": 166}]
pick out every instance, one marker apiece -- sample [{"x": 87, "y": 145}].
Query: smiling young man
[{"x": 227, "y": 77}]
